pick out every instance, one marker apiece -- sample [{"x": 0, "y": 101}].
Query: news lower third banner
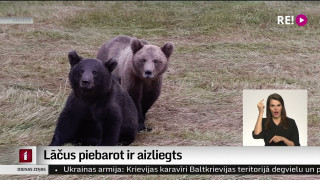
[{"x": 160, "y": 160}]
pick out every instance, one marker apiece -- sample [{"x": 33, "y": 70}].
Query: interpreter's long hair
[{"x": 284, "y": 122}]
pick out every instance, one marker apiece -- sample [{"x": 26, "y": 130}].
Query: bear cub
[
  {"x": 140, "y": 69},
  {"x": 98, "y": 111}
]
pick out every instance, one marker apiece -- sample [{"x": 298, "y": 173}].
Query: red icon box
[{"x": 25, "y": 155}]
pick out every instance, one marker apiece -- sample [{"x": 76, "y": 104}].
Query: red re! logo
[{"x": 25, "y": 155}]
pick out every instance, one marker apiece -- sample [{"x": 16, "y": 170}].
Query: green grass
[{"x": 221, "y": 48}]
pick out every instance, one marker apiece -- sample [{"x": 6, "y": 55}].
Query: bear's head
[
  {"x": 150, "y": 61},
  {"x": 90, "y": 77}
]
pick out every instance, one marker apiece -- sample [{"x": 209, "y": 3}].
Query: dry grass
[{"x": 221, "y": 49}]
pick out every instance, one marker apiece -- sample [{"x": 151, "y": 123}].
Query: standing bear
[
  {"x": 98, "y": 111},
  {"x": 140, "y": 69}
]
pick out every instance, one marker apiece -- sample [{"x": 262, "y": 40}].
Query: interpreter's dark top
[{"x": 291, "y": 133}]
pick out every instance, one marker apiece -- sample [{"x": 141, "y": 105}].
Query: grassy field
[{"x": 221, "y": 48}]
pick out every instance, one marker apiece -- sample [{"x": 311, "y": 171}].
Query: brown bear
[
  {"x": 140, "y": 69},
  {"x": 98, "y": 111}
]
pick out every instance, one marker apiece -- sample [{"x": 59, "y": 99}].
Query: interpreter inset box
[{"x": 295, "y": 103}]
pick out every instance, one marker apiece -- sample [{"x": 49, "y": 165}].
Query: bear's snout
[
  {"x": 86, "y": 83},
  {"x": 148, "y": 74}
]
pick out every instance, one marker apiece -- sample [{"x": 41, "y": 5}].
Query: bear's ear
[
  {"x": 74, "y": 58},
  {"x": 111, "y": 64},
  {"x": 135, "y": 45},
  {"x": 167, "y": 49}
]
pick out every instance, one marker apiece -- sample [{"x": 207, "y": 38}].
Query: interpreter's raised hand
[{"x": 260, "y": 106}]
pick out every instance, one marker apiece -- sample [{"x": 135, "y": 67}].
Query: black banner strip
[{"x": 184, "y": 169}]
